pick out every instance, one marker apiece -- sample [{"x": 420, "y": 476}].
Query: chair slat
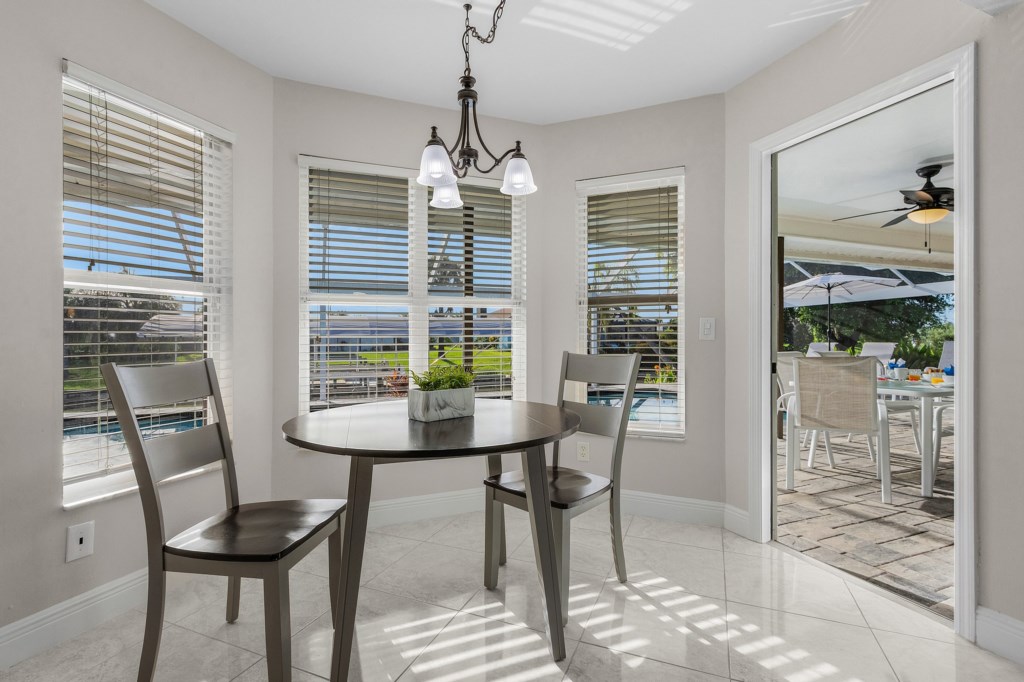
[
  {"x": 600, "y": 419},
  {"x": 165, "y": 384},
  {"x": 177, "y": 453},
  {"x": 599, "y": 369}
]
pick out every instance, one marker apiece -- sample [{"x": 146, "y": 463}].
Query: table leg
[
  {"x": 539, "y": 506},
  {"x": 360, "y": 479},
  {"x": 927, "y": 414}
]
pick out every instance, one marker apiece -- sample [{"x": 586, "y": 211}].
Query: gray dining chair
[
  {"x": 255, "y": 540},
  {"x": 572, "y": 492}
]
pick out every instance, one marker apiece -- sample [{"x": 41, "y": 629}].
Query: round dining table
[{"x": 372, "y": 434}]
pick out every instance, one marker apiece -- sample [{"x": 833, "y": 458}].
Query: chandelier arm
[
  {"x": 441, "y": 140},
  {"x": 476, "y": 125},
  {"x": 497, "y": 161}
]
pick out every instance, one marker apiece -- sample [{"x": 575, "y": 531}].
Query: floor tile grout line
[
  {"x": 873, "y": 635},
  {"x": 427, "y": 645}
]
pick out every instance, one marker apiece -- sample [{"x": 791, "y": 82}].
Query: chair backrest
[
  {"x": 603, "y": 420},
  {"x": 947, "y": 354},
  {"x": 784, "y": 369},
  {"x": 158, "y": 456},
  {"x": 879, "y": 349},
  {"x": 836, "y": 394},
  {"x": 814, "y": 348},
  {"x": 829, "y": 354}
]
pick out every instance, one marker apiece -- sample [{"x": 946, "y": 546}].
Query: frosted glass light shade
[
  {"x": 518, "y": 177},
  {"x": 435, "y": 166},
  {"x": 446, "y": 196},
  {"x": 927, "y": 216}
]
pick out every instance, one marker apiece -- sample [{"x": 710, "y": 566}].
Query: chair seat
[
  {"x": 566, "y": 487},
  {"x": 260, "y": 531}
]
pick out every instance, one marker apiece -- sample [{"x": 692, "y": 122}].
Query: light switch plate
[{"x": 707, "y": 329}]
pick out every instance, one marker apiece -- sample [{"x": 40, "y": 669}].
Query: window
[
  {"x": 391, "y": 285},
  {"x": 147, "y": 261},
  {"x": 631, "y": 289}
]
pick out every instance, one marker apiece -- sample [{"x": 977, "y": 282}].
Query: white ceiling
[
  {"x": 552, "y": 60},
  {"x": 861, "y": 166}
]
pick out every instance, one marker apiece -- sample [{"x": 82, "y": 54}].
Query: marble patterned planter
[{"x": 432, "y": 406}]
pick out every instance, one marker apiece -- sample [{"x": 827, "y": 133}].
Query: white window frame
[
  {"x": 216, "y": 288},
  {"x": 417, "y": 301},
  {"x": 668, "y": 177}
]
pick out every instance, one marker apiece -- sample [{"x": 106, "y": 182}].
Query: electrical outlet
[
  {"x": 80, "y": 540},
  {"x": 583, "y": 451}
]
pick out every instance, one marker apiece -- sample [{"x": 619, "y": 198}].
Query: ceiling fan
[{"x": 927, "y": 205}]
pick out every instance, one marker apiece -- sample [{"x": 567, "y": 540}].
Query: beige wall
[
  {"x": 691, "y": 134},
  {"x": 885, "y": 39},
  {"x": 165, "y": 60}
]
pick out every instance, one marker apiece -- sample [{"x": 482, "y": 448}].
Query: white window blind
[
  {"x": 147, "y": 263},
  {"x": 631, "y": 294},
  {"x": 391, "y": 286}
]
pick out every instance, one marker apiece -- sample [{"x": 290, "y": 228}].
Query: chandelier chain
[{"x": 472, "y": 31}]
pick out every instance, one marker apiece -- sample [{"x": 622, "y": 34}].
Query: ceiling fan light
[
  {"x": 927, "y": 216},
  {"x": 446, "y": 196},
  {"x": 435, "y": 166},
  {"x": 518, "y": 177}
]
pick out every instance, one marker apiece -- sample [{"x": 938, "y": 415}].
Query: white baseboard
[
  {"x": 404, "y": 509},
  {"x": 683, "y": 509},
  {"x": 736, "y": 520},
  {"x": 1000, "y": 634},
  {"x": 40, "y": 631},
  {"x": 69, "y": 619}
]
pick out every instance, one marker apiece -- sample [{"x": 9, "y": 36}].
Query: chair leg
[
  {"x": 334, "y": 565},
  {"x": 154, "y": 622},
  {"x": 502, "y": 553},
  {"x": 814, "y": 446},
  {"x": 560, "y": 525},
  {"x": 792, "y": 453},
  {"x": 494, "y": 514},
  {"x": 277, "y": 615},
  {"x": 828, "y": 451},
  {"x": 883, "y": 460},
  {"x": 615, "y": 510},
  {"x": 234, "y": 599},
  {"x": 917, "y": 434},
  {"x": 871, "y": 452}
]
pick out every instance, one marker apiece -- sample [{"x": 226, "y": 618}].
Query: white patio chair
[
  {"x": 838, "y": 394},
  {"x": 814, "y": 348},
  {"x": 878, "y": 349},
  {"x": 946, "y": 359}
]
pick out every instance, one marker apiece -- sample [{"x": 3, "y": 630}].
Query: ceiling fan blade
[
  {"x": 897, "y": 219},
  {"x": 918, "y": 195},
  {"x": 861, "y": 215}
]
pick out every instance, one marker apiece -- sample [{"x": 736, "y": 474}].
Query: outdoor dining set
[{"x": 826, "y": 392}]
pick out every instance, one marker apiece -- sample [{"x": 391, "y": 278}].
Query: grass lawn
[{"x": 485, "y": 360}]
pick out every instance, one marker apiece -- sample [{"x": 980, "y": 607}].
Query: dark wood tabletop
[{"x": 384, "y": 430}]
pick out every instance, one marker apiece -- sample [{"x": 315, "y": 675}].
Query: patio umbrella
[{"x": 847, "y": 284}]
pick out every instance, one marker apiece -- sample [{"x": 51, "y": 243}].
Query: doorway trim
[{"x": 957, "y": 67}]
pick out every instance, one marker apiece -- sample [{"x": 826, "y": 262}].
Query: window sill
[
  {"x": 121, "y": 484},
  {"x": 674, "y": 436}
]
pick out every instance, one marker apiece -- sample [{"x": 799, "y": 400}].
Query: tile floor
[
  {"x": 837, "y": 516},
  {"x": 702, "y": 604}
]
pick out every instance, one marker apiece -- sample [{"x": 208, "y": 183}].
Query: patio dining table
[{"x": 927, "y": 394}]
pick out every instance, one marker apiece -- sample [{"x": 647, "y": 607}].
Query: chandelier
[{"x": 441, "y": 166}]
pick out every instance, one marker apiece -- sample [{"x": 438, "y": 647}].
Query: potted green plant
[{"x": 443, "y": 392}]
